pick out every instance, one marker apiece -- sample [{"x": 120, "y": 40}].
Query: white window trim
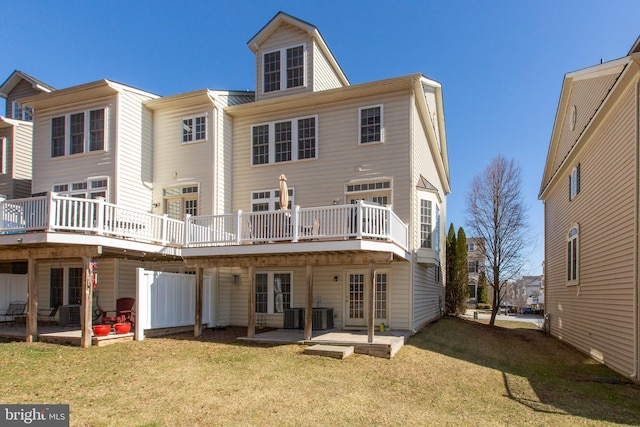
[
  {"x": 3, "y": 155},
  {"x": 86, "y": 192},
  {"x": 87, "y": 132},
  {"x": 193, "y": 117},
  {"x": 436, "y": 237},
  {"x": 283, "y": 68},
  {"x": 573, "y": 281},
  {"x": 573, "y": 189},
  {"x": 271, "y": 287},
  {"x": 22, "y": 109},
  {"x": 361, "y": 144},
  {"x": 273, "y": 199},
  {"x": 294, "y": 140}
]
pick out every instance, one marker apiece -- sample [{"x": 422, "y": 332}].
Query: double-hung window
[
  {"x": 78, "y": 132},
  {"x": 371, "y": 124},
  {"x": 573, "y": 259},
  {"x": 284, "y": 141},
  {"x": 274, "y": 292},
  {"x": 291, "y": 60},
  {"x": 269, "y": 200},
  {"x": 194, "y": 129},
  {"x": 425, "y": 223}
]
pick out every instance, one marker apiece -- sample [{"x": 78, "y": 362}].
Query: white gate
[
  {"x": 167, "y": 300},
  {"x": 13, "y": 287}
]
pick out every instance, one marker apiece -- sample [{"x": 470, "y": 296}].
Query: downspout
[
  {"x": 634, "y": 374},
  {"x": 412, "y": 215}
]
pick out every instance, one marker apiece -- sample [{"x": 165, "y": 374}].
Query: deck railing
[
  {"x": 62, "y": 213},
  {"x": 360, "y": 220}
]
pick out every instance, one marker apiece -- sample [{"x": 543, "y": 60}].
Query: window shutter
[{"x": 578, "y": 179}]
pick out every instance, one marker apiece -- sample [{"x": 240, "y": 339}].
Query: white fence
[
  {"x": 167, "y": 300},
  {"x": 13, "y": 287}
]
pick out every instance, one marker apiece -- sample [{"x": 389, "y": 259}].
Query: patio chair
[
  {"x": 123, "y": 312},
  {"x": 47, "y": 315},
  {"x": 15, "y": 309}
]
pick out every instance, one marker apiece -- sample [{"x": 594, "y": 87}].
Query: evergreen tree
[
  {"x": 483, "y": 294},
  {"x": 451, "y": 276},
  {"x": 462, "y": 273}
]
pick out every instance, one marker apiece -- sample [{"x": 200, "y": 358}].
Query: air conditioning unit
[
  {"x": 69, "y": 315},
  {"x": 322, "y": 318},
  {"x": 293, "y": 318}
]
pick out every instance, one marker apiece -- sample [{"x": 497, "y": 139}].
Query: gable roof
[
  {"x": 15, "y": 77},
  {"x": 620, "y": 72},
  {"x": 282, "y": 18}
]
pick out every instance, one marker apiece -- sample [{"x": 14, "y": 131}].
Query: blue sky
[{"x": 501, "y": 63}]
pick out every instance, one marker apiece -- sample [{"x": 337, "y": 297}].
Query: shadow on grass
[
  {"x": 538, "y": 371},
  {"x": 227, "y": 335}
]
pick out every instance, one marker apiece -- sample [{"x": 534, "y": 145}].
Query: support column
[
  {"x": 87, "y": 302},
  {"x": 251, "y": 314},
  {"x": 371, "y": 291},
  {"x": 197, "y": 327},
  {"x": 308, "y": 319},
  {"x": 32, "y": 302}
]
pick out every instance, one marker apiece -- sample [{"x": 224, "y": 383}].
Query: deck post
[
  {"x": 87, "y": 302},
  {"x": 371, "y": 290},
  {"x": 308, "y": 318},
  {"x": 100, "y": 216},
  {"x": 187, "y": 230},
  {"x": 238, "y": 227},
  {"x": 32, "y": 301},
  {"x": 251, "y": 309},
  {"x": 294, "y": 223},
  {"x": 51, "y": 221},
  {"x": 197, "y": 327}
]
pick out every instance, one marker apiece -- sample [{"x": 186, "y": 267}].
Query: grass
[{"x": 455, "y": 372}]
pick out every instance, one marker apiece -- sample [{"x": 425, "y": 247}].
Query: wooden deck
[
  {"x": 385, "y": 344},
  {"x": 71, "y": 335}
]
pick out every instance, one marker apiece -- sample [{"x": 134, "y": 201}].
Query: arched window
[{"x": 573, "y": 258}]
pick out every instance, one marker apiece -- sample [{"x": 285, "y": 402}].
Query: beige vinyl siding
[
  {"x": 22, "y": 89},
  {"x": 319, "y": 181},
  {"x": 428, "y": 293},
  {"x": 179, "y": 165},
  {"x": 22, "y": 148},
  {"x": 587, "y": 95},
  {"x": 324, "y": 76},
  {"x": 6, "y": 179},
  {"x": 597, "y": 316},
  {"x": 77, "y": 167},
  {"x": 286, "y": 36},
  {"x": 134, "y": 152}
]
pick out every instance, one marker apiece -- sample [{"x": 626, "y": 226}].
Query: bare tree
[{"x": 496, "y": 213}]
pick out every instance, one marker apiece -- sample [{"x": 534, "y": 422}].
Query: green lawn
[{"x": 455, "y": 372}]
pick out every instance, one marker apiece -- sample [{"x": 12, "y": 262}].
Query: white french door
[{"x": 356, "y": 301}]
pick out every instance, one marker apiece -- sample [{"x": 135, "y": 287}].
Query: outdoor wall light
[
  {"x": 336, "y": 201},
  {"x": 335, "y": 278}
]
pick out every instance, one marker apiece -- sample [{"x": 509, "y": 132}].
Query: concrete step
[{"x": 335, "y": 351}]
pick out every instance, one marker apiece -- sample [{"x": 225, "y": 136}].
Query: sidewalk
[{"x": 485, "y": 315}]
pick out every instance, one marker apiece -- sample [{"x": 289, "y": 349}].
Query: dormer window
[{"x": 292, "y": 60}]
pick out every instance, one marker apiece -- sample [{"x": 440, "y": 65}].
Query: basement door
[{"x": 357, "y": 302}]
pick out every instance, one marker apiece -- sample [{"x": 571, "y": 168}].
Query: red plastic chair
[{"x": 124, "y": 312}]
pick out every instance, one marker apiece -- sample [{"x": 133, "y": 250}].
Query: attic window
[{"x": 292, "y": 60}]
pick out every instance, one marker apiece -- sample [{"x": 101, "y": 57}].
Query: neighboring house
[
  {"x": 476, "y": 267},
  {"x": 190, "y": 183},
  {"x": 524, "y": 292},
  {"x": 16, "y": 133},
  {"x": 590, "y": 194}
]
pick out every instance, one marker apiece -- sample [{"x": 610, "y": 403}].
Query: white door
[{"x": 356, "y": 301}]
